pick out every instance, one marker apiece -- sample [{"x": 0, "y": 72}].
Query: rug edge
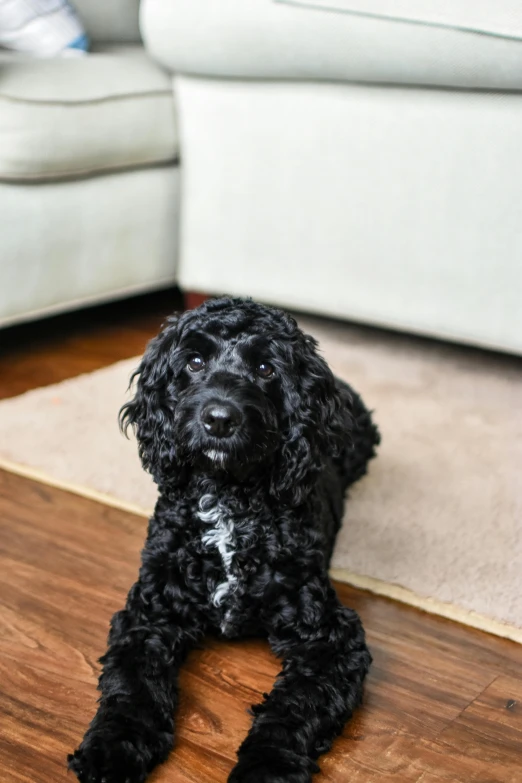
[
  {"x": 378, "y": 587},
  {"x": 77, "y": 489},
  {"x": 433, "y": 606}
]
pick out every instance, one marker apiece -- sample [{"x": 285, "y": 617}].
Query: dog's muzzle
[{"x": 228, "y": 420}]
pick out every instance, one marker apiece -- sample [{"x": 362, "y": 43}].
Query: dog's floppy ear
[
  {"x": 317, "y": 423},
  {"x": 151, "y": 411}
]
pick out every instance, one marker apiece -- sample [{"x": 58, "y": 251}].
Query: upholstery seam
[
  {"x": 72, "y": 175},
  {"x": 88, "y": 101}
]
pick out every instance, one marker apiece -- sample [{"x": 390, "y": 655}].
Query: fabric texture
[
  {"x": 41, "y": 28},
  {"x": 83, "y": 241},
  {"x": 399, "y": 207},
  {"x": 503, "y": 17},
  {"x": 441, "y": 509},
  {"x": 263, "y": 39},
  {"x": 115, "y": 21},
  {"x": 113, "y": 109}
]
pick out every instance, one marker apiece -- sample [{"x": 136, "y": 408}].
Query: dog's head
[{"x": 236, "y": 387}]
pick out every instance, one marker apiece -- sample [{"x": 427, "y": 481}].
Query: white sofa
[
  {"x": 343, "y": 162},
  {"x": 89, "y": 181}
]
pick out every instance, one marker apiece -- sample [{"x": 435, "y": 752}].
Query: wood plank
[{"x": 485, "y": 741}]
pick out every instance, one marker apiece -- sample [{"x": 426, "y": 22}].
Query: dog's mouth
[
  {"x": 217, "y": 456},
  {"x": 239, "y": 454}
]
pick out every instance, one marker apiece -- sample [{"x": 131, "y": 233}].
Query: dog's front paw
[
  {"x": 272, "y": 765},
  {"x": 120, "y": 748},
  {"x": 100, "y": 760}
]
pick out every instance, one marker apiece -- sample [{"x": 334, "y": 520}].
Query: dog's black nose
[{"x": 220, "y": 419}]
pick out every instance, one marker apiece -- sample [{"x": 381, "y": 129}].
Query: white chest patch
[{"x": 220, "y": 536}]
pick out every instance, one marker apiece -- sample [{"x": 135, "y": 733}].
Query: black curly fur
[{"x": 277, "y": 483}]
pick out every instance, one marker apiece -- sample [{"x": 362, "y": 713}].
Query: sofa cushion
[
  {"x": 88, "y": 241},
  {"x": 263, "y": 39},
  {"x": 112, "y": 109},
  {"x": 503, "y": 17}
]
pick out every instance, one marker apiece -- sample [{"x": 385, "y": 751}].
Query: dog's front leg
[
  {"x": 325, "y": 660},
  {"x": 132, "y": 730}
]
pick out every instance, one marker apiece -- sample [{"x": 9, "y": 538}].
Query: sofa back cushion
[
  {"x": 503, "y": 17},
  {"x": 110, "y": 20}
]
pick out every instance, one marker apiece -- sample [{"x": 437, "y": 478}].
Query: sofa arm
[
  {"x": 110, "y": 20},
  {"x": 273, "y": 40}
]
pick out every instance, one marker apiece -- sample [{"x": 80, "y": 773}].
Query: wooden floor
[{"x": 443, "y": 702}]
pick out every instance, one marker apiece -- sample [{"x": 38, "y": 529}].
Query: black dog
[{"x": 252, "y": 443}]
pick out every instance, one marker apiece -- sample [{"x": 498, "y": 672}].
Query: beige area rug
[{"x": 438, "y": 520}]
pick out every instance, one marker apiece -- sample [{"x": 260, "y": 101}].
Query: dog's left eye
[
  {"x": 196, "y": 363},
  {"x": 264, "y": 370}
]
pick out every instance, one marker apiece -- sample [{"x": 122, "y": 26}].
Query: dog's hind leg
[
  {"x": 325, "y": 660},
  {"x": 133, "y": 728}
]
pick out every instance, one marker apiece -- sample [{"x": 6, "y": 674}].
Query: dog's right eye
[{"x": 196, "y": 363}]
